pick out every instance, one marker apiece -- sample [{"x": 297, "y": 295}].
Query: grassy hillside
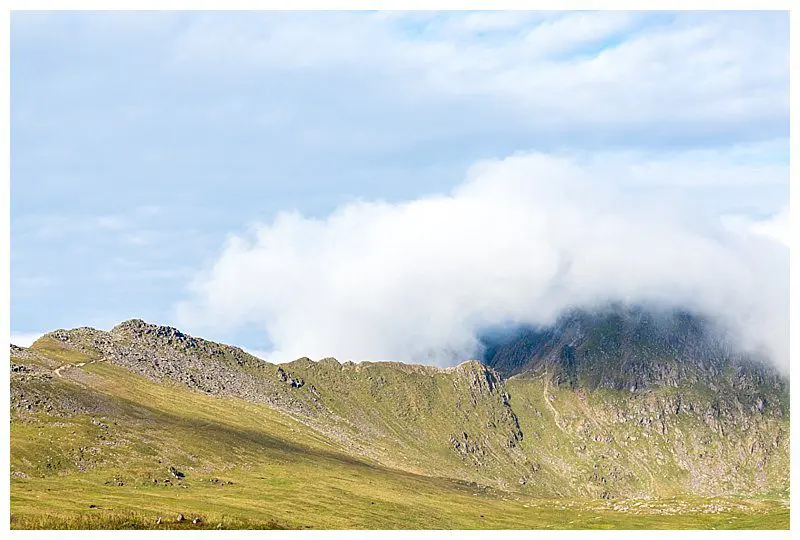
[{"x": 118, "y": 429}]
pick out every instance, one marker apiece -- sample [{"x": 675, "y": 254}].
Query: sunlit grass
[{"x": 249, "y": 466}]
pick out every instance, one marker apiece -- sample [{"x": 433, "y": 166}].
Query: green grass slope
[{"x": 98, "y": 420}]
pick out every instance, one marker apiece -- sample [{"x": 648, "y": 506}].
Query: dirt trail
[
  {"x": 545, "y": 395},
  {"x": 59, "y": 369}
]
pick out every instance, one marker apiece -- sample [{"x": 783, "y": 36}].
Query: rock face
[
  {"x": 672, "y": 376},
  {"x": 612, "y": 404}
]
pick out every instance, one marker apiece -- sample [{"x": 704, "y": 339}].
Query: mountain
[
  {"x": 629, "y": 348},
  {"x": 615, "y": 418}
]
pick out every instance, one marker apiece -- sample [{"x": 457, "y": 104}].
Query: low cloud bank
[
  {"x": 24, "y": 339},
  {"x": 518, "y": 242}
]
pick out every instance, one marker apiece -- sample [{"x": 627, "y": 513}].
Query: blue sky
[{"x": 141, "y": 143}]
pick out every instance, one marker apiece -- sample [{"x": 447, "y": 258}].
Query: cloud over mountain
[{"x": 520, "y": 240}]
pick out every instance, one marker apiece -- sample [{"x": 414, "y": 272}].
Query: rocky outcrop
[{"x": 164, "y": 353}]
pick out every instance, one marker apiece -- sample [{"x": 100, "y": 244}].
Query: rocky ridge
[{"x": 539, "y": 417}]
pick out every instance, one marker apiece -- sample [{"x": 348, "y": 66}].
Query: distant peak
[
  {"x": 138, "y": 326},
  {"x": 131, "y": 324}
]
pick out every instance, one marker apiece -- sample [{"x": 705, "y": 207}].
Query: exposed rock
[{"x": 163, "y": 352}]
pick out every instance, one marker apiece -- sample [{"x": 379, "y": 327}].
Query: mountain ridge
[{"x": 534, "y": 424}]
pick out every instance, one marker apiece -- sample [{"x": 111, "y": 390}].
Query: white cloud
[
  {"x": 24, "y": 339},
  {"x": 521, "y": 239},
  {"x": 629, "y": 70},
  {"x": 775, "y": 228},
  {"x": 262, "y": 354},
  {"x": 399, "y": 93}
]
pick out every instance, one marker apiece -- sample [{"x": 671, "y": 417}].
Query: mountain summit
[{"x": 628, "y": 348}]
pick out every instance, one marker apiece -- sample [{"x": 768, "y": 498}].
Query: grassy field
[
  {"x": 246, "y": 465},
  {"x": 310, "y": 496}
]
